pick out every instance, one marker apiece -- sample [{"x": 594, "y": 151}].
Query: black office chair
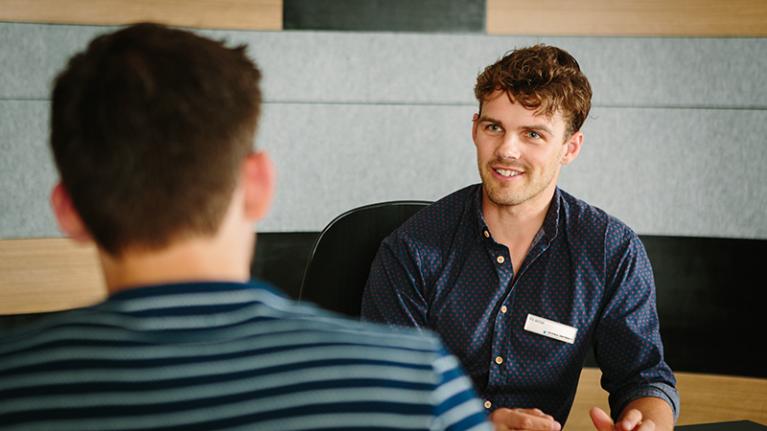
[{"x": 338, "y": 267}]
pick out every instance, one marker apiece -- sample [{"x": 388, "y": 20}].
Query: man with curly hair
[{"x": 520, "y": 278}]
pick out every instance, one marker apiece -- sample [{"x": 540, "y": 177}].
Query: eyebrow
[
  {"x": 539, "y": 128},
  {"x": 486, "y": 118},
  {"x": 536, "y": 127}
]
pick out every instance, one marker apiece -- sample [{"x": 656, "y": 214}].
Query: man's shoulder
[
  {"x": 442, "y": 217},
  {"x": 254, "y": 310},
  {"x": 326, "y": 325},
  {"x": 583, "y": 218},
  {"x": 323, "y": 326}
]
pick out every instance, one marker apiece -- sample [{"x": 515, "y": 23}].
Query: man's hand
[
  {"x": 641, "y": 414},
  {"x": 631, "y": 421},
  {"x": 523, "y": 419}
]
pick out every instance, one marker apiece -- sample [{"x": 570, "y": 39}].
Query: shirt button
[
  {"x": 486, "y": 233},
  {"x": 500, "y": 259},
  {"x": 504, "y": 309},
  {"x": 488, "y": 404},
  {"x": 498, "y": 360}
]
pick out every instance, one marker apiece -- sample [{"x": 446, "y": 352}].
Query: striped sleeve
[{"x": 456, "y": 406}]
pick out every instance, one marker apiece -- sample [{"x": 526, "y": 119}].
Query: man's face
[{"x": 519, "y": 154}]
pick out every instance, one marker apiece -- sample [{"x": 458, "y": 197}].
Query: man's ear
[
  {"x": 258, "y": 183},
  {"x": 572, "y": 148},
  {"x": 474, "y": 123},
  {"x": 67, "y": 216}
]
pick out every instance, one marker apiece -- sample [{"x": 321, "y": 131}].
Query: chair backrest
[{"x": 338, "y": 267}]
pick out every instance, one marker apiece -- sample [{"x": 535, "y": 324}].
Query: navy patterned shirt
[{"x": 442, "y": 270}]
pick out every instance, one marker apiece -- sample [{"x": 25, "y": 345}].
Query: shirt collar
[{"x": 549, "y": 230}]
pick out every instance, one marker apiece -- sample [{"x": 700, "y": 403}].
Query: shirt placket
[{"x": 499, "y": 354}]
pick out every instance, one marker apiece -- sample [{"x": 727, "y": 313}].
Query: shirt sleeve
[
  {"x": 394, "y": 293},
  {"x": 456, "y": 406},
  {"x": 628, "y": 345}
]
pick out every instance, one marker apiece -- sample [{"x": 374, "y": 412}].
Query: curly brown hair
[{"x": 540, "y": 77}]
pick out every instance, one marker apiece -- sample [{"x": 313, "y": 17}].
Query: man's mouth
[{"x": 508, "y": 173}]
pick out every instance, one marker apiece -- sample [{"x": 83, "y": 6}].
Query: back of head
[
  {"x": 148, "y": 129},
  {"x": 540, "y": 77}
]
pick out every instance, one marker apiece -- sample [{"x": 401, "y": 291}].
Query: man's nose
[{"x": 509, "y": 147}]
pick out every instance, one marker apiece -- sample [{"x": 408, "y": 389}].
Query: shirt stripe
[{"x": 226, "y": 356}]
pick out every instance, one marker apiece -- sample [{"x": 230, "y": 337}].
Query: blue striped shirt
[{"x": 226, "y": 356}]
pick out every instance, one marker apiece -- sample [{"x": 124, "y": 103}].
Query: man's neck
[
  {"x": 515, "y": 226},
  {"x": 198, "y": 259}
]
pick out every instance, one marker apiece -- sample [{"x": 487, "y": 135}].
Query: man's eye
[
  {"x": 534, "y": 135},
  {"x": 494, "y": 128}
]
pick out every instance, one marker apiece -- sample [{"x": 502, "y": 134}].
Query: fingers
[
  {"x": 631, "y": 420},
  {"x": 524, "y": 419},
  {"x": 601, "y": 420},
  {"x": 646, "y": 425}
]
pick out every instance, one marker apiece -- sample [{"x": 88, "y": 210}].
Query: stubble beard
[{"x": 514, "y": 194}]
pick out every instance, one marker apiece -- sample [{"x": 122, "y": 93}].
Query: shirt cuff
[{"x": 657, "y": 390}]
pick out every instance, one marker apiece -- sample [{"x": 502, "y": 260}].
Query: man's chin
[
  {"x": 502, "y": 197},
  {"x": 505, "y": 201}
]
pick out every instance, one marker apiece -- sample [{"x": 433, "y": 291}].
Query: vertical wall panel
[
  {"x": 628, "y": 17},
  {"x": 239, "y": 14},
  {"x": 386, "y": 15}
]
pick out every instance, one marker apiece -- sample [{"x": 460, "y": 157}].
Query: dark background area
[
  {"x": 710, "y": 296},
  {"x": 455, "y": 16}
]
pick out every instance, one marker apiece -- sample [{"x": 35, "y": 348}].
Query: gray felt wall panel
[
  {"x": 674, "y": 146},
  {"x": 26, "y": 170},
  {"x": 691, "y": 172},
  {"x": 434, "y": 68}
]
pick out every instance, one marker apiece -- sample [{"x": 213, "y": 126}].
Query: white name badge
[{"x": 550, "y": 328}]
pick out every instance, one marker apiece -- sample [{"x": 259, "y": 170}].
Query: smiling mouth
[{"x": 508, "y": 173}]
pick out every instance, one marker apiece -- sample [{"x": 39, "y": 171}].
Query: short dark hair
[
  {"x": 149, "y": 127},
  {"x": 540, "y": 77}
]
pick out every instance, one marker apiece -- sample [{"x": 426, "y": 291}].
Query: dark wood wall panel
[{"x": 386, "y": 15}]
